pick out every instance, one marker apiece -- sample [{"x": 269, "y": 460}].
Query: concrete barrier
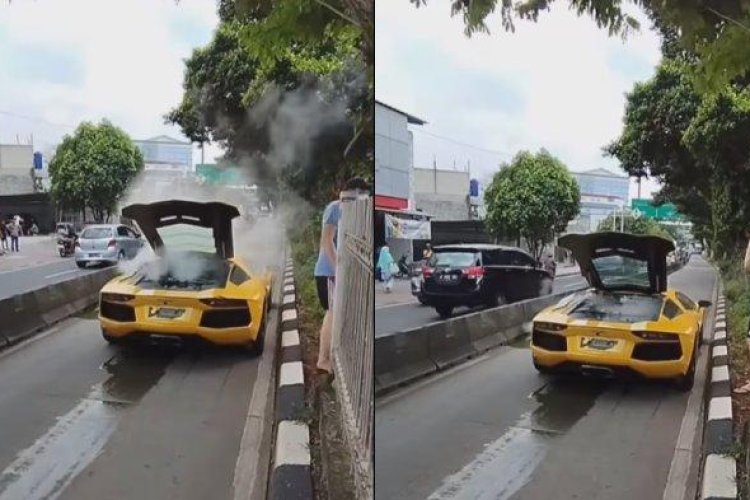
[
  {"x": 25, "y": 314},
  {"x": 405, "y": 356},
  {"x": 401, "y": 358}
]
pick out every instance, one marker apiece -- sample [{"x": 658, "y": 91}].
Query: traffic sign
[{"x": 646, "y": 208}]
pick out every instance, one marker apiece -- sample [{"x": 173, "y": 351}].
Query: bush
[{"x": 305, "y": 239}]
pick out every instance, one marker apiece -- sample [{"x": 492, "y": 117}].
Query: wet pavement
[
  {"x": 396, "y": 318},
  {"x": 494, "y": 428},
  {"x": 82, "y": 419}
]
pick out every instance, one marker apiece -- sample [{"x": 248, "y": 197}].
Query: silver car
[{"x": 107, "y": 243}]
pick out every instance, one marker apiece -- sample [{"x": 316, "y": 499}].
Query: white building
[
  {"x": 16, "y": 169},
  {"x": 442, "y": 193},
  {"x": 394, "y": 158}
]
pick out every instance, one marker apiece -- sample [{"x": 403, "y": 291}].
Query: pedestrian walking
[
  {"x": 325, "y": 269},
  {"x": 550, "y": 265},
  {"x": 427, "y": 253},
  {"x": 15, "y": 231},
  {"x": 386, "y": 265}
]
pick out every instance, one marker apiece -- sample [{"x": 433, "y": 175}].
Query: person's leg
[{"x": 326, "y": 331}]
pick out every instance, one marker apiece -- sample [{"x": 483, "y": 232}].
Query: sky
[
  {"x": 73, "y": 60},
  {"x": 558, "y": 84}
]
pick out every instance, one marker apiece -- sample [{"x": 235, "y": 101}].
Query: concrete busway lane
[
  {"x": 82, "y": 419},
  {"x": 397, "y": 318},
  {"x": 13, "y": 282},
  {"x": 495, "y": 428}
]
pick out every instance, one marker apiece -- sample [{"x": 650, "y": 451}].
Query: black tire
[
  {"x": 82, "y": 265},
  {"x": 120, "y": 256},
  {"x": 61, "y": 251},
  {"x": 542, "y": 369},
  {"x": 444, "y": 312},
  {"x": 685, "y": 382},
  {"x": 112, "y": 340},
  {"x": 421, "y": 299},
  {"x": 497, "y": 299}
]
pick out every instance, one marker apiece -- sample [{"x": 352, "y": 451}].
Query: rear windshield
[
  {"x": 618, "y": 307},
  {"x": 95, "y": 233},
  {"x": 454, "y": 259},
  {"x": 621, "y": 270}
]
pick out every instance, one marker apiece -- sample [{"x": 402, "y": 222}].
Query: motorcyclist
[{"x": 403, "y": 267}]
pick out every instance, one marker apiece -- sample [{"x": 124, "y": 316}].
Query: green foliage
[
  {"x": 92, "y": 168},
  {"x": 696, "y": 145},
  {"x": 534, "y": 198},
  {"x": 640, "y": 225}
]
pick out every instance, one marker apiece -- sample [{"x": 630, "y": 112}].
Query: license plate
[
  {"x": 93, "y": 255},
  {"x": 598, "y": 344},
  {"x": 165, "y": 312},
  {"x": 449, "y": 278}
]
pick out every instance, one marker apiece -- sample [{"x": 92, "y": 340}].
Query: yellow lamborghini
[
  {"x": 628, "y": 321},
  {"x": 194, "y": 286}
]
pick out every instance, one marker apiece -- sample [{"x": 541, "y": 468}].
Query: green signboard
[
  {"x": 219, "y": 175},
  {"x": 646, "y": 208}
]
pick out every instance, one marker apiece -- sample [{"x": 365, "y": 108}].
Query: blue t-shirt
[{"x": 331, "y": 215}]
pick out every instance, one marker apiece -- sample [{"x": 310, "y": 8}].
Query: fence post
[{"x": 353, "y": 336}]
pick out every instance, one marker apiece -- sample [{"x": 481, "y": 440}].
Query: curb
[
  {"x": 719, "y": 476},
  {"x": 291, "y": 476}
]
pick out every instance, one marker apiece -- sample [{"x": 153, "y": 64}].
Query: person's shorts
[{"x": 326, "y": 286}]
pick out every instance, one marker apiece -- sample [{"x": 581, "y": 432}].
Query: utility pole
[
  {"x": 639, "y": 187},
  {"x": 622, "y": 220}
]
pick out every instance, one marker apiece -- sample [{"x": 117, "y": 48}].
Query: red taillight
[
  {"x": 112, "y": 243},
  {"x": 427, "y": 271},
  {"x": 473, "y": 272}
]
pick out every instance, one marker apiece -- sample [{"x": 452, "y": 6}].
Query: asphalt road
[
  {"x": 18, "y": 281},
  {"x": 397, "y": 318},
  {"x": 494, "y": 428},
  {"x": 82, "y": 419}
]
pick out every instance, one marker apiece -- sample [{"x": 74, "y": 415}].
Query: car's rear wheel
[
  {"x": 541, "y": 368},
  {"x": 112, "y": 340},
  {"x": 496, "y": 299},
  {"x": 444, "y": 312},
  {"x": 421, "y": 299},
  {"x": 685, "y": 382},
  {"x": 80, "y": 264}
]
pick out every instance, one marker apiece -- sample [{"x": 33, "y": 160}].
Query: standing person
[
  {"x": 385, "y": 263},
  {"x": 325, "y": 268},
  {"x": 3, "y": 237},
  {"x": 15, "y": 232},
  {"x": 427, "y": 253},
  {"x": 550, "y": 265}
]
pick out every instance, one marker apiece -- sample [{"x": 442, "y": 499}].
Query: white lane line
[
  {"x": 45, "y": 468},
  {"x": 60, "y": 273},
  {"x": 400, "y": 304},
  {"x": 293, "y": 445}
]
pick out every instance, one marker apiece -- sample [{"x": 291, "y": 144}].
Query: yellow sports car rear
[
  {"x": 629, "y": 321},
  {"x": 188, "y": 290}
]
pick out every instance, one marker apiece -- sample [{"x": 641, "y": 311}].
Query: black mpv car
[{"x": 472, "y": 275}]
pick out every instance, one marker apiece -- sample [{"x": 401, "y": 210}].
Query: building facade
[
  {"x": 603, "y": 193},
  {"x": 444, "y": 194},
  {"x": 165, "y": 153},
  {"x": 16, "y": 169},
  {"x": 394, "y": 158}
]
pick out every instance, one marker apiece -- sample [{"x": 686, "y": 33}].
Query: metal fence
[{"x": 353, "y": 335}]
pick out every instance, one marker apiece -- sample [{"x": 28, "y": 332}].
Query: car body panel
[
  {"x": 215, "y": 215},
  {"x": 653, "y": 250},
  {"x": 507, "y": 271},
  {"x": 597, "y": 327},
  {"x": 94, "y": 243}
]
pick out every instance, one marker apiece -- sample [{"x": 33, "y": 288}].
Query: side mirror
[{"x": 704, "y": 303}]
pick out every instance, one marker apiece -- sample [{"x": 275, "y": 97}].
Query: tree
[
  {"x": 534, "y": 198},
  {"x": 92, "y": 168},
  {"x": 717, "y": 32},
  {"x": 695, "y": 145},
  {"x": 305, "y": 97},
  {"x": 640, "y": 225}
]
